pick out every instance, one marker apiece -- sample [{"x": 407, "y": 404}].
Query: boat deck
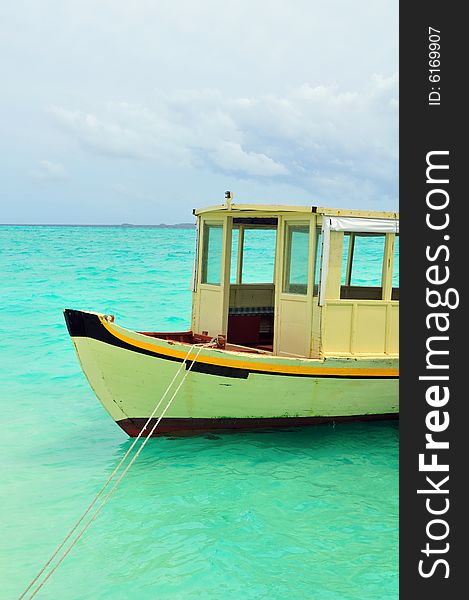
[{"x": 189, "y": 338}]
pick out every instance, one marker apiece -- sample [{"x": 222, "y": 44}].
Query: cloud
[
  {"x": 49, "y": 171},
  {"x": 333, "y": 143},
  {"x": 169, "y": 134},
  {"x": 230, "y": 156}
]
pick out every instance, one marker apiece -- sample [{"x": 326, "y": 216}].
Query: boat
[{"x": 312, "y": 341}]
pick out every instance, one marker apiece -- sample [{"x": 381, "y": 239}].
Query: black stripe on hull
[
  {"x": 83, "y": 324},
  {"x": 209, "y": 369},
  {"x": 182, "y": 426}
]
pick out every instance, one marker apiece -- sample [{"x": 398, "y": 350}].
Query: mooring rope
[{"x": 121, "y": 462}]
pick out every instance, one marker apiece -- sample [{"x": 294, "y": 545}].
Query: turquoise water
[
  {"x": 367, "y": 263},
  {"x": 309, "y": 513}
]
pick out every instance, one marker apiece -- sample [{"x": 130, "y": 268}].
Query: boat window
[
  {"x": 296, "y": 259},
  {"x": 395, "y": 273},
  {"x": 362, "y": 266},
  {"x": 212, "y": 253},
  {"x": 345, "y": 258},
  {"x": 317, "y": 261},
  {"x": 258, "y": 255},
  {"x": 234, "y": 254}
]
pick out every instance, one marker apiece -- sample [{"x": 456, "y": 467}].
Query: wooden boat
[{"x": 311, "y": 343}]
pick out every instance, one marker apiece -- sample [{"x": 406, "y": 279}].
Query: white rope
[
  {"x": 111, "y": 476},
  {"x": 88, "y": 523}
]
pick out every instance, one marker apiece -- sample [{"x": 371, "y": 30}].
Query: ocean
[{"x": 309, "y": 513}]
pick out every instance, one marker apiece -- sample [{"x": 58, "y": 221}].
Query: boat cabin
[{"x": 300, "y": 281}]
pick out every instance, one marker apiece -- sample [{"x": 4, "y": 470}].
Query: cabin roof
[{"x": 262, "y": 209}]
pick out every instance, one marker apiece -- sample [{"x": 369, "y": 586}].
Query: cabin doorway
[
  {"x": 295, "y": 293},
  {"x": 251, "y": 309}
]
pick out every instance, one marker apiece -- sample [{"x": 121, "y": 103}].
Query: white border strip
[
  {"x": 326, "y": 236},
  {"x": 360, "y": 224}
]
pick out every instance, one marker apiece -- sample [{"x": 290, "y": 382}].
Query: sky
[{"x": 139, "y": 111}]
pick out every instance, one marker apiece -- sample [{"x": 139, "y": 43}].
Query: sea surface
[{"x": 301, "y": 514}]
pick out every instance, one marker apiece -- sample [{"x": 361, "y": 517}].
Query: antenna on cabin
[{"x": 228, "y": 198}]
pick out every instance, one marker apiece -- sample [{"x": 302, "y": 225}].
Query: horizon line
[{"x": 128, "y": 225}]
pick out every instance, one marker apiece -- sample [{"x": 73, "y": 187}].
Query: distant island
[{"x": 162, "y": 226}]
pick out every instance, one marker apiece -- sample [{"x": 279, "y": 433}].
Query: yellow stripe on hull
[{"x": 262, "y": 363}]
